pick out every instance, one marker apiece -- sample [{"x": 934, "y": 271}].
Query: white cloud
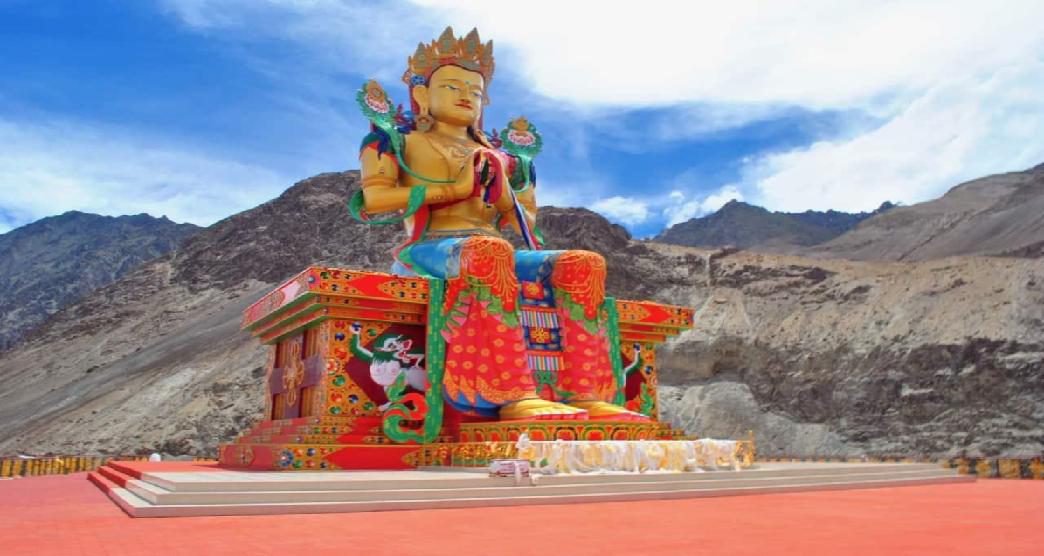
[
  {"x": 816, "y": 53},
  {"x": 672, "y": 208},
  {"x": 952, "y": 87},
  {"x": 625, "y": 210},
  {"x": 50, "y": 168},
  {"x": 679, "y": 209},
  {"x": 718, "y": 199},
  {"x": 371, "y": 38},
  {"x": 955, "y": 132}
]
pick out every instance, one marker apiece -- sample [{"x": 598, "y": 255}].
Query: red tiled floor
[
  {"x": 68, "y": 515},
  {"x": 161, "y": 466}
]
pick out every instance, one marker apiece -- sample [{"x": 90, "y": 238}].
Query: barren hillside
[
  {"x": 815, "y": 356},
  {"x": 995, "y": 215},
  {"x": 55, "y": 261}
]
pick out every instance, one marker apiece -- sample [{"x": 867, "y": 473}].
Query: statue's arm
[
  {"x": 526, "y": 198},
  {"x": 380, "y": 180},
  {"x": 522, "y": 142},
  {"x": 380, "y": 183}
]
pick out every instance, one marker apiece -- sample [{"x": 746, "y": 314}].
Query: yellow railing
[
  {"x": 58, "y": 465},
  {"x": 480, "y": 453},
  {"x": 1002, "y": 468}
]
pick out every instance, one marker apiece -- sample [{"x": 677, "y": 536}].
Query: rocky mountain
[
  {"x": 54, "y": 261},
  {"x": 746, "y": 226},
  {"x": 838, "y": 222},
  {"x": 995, "y": 215},
  {"x": 831, "y": 357},
  {"x": 836, "y": 357}
]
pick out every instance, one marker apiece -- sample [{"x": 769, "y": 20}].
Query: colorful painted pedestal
[{"x": 322, "y": 408}]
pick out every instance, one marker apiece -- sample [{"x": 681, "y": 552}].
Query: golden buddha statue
[{"x": 455, "y": 189}]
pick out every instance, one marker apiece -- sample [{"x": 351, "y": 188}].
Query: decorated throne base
[
  {"x": 320, "y": 443},
  {"x": 329, "y": 333}
]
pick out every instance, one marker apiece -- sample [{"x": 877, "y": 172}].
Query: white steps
[{"x": 255, "y": 493}]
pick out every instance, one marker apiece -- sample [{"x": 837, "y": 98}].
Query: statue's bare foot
[
  {"x": 605, "y": 411},
  {"x": 540, "y": 409}
]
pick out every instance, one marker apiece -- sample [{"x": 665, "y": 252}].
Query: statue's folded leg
[
  {"x": 578, "y": 281},
  {"x": 486, "y": 369}
]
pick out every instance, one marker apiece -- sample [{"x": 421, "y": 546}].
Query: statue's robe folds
[{"x": 487, "y": 364}]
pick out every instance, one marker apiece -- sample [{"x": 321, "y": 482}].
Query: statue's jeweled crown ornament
[{"x": 467, "y": 52}]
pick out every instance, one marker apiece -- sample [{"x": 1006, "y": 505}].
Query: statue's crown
[{"x": 467, "y": 52}]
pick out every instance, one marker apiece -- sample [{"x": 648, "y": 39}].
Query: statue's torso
[{"x": 441, "y": 158}]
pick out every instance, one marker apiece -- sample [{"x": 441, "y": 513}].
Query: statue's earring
[{"x": 424, "y": 121}]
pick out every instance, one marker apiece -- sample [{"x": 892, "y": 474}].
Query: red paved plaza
[{"x": 68, "y": 515}]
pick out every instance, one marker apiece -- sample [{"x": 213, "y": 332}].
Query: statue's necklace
[{"x": 456, "y": 152}]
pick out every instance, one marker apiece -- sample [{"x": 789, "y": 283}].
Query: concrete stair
[
  {"x": 220, "y": 492},
  {"x": 115, "y": 475}
]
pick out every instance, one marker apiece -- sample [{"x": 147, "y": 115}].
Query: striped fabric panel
[
  {"x": 543, "y": 319},
  {"x": 545, "y": 362}
]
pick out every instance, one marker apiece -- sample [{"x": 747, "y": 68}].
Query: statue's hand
[{"x": 463, "y": 187}]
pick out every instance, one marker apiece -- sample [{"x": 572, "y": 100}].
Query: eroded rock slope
[{"x": 816, "y": 356}]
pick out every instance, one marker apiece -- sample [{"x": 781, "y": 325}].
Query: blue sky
[{"x": 197, "y": 109}]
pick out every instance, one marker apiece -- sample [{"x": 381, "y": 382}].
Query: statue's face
[{"x": 455, "y": 95}]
